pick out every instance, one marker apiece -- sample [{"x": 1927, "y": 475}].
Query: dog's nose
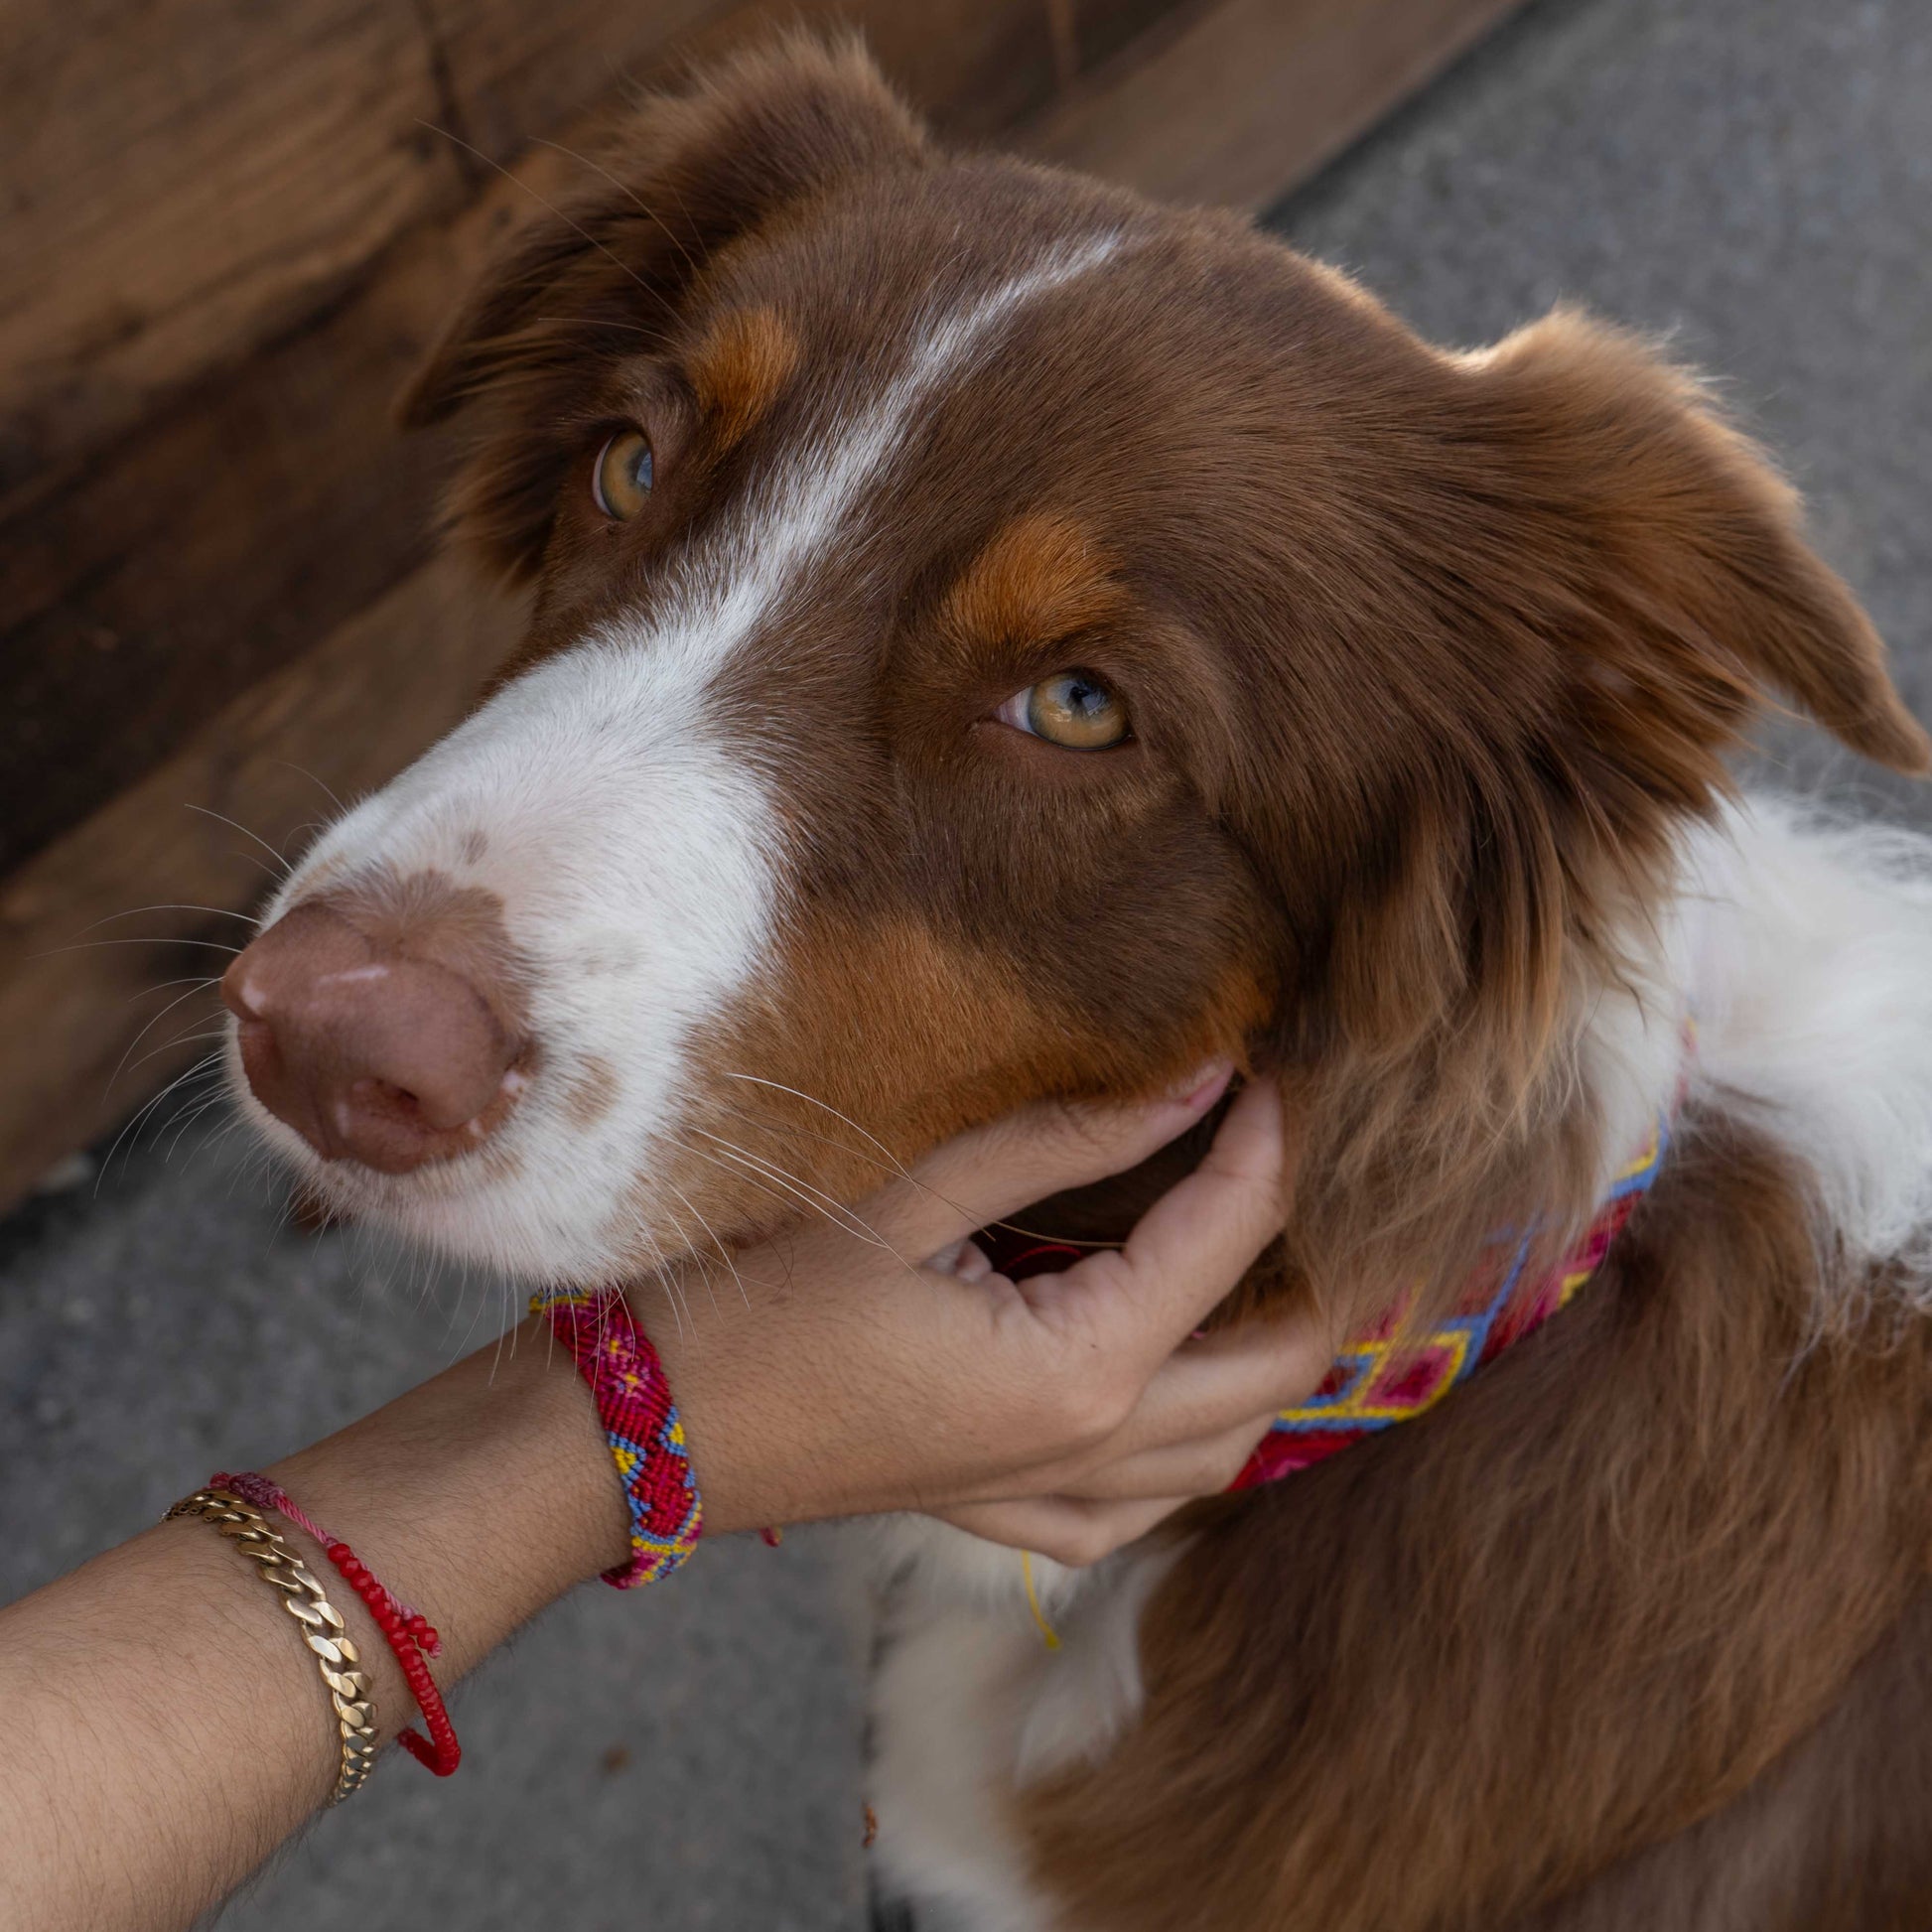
[{"x": 370, "y": 1051}]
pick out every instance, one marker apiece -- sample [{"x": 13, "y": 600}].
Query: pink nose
[{"x": 371, "y": 1050}]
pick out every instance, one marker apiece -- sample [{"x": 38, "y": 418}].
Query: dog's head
[{"x": 992, "y": 639}]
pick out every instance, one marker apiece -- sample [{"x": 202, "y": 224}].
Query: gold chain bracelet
[{"x": 322, "y": 1626}]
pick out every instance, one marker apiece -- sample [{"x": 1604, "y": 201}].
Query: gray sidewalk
[{"x": 1752, "y": 174}]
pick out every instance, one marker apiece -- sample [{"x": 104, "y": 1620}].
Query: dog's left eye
[
  {"x": 621, "y": 478},
  {"x": 1072, "y": 709}
]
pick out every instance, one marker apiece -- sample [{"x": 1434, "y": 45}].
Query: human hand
[{"x": 1065, "y": 1414}]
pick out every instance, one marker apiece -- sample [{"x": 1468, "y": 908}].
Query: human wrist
[
  {"x": 492, "y": 1470},
  {"x": 781, "y": 1427},
  {"x": 731, "y": 1453}
]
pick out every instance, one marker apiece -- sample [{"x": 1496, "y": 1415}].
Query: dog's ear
[
  {"x": 1613, "y": 579},
  {"x": 1591, "y": 583},
  {"x": 1660, "y": 549},
  {"x": 602, "y": 272}
]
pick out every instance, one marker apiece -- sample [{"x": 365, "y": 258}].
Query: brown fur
[
  {"x": 1453, "y": 1674},
  {"x": 798, "y": 1091},
  {"x": 1429, "y": 658},
  {"x": 1831, "y": 1839}
]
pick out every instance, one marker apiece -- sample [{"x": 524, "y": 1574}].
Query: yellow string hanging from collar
[{"x": 1048, "y": 1635}]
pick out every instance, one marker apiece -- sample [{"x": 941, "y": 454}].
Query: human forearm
[
  {"x": 167, "y": 1730},
  {"x": 167, "y": 1727}
]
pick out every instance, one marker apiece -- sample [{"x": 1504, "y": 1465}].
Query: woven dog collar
[{"x": 1393, "y": 1370}]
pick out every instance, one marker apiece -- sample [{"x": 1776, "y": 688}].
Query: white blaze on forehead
[
  {"x": 719, "y": 594},
  {"x": 637, "y": 851}
]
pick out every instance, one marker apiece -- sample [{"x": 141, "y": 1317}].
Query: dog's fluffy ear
[
  {"x": 1667, "y": 553},
  {"x": 1619, "y": 582},
  {"x": 1600, "y": 584},
  {"x": 600, "y": 272}
]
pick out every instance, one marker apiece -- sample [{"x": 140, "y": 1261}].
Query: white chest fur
[{"x": 969, "y": 1705}]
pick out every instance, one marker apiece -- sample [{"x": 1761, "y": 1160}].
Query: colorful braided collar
[{"x": 1391, "y": 1372}]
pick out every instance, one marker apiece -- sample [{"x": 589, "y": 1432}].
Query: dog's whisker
[
  {"x": 209, "y": 1063},
  {"x": 174, "y": 906},
  {"x": 864, "y": 1231},
  {"x": 213, "y": 1142},
  {"x": 692, "y": 1255},
  {"x": 815, "y": 1197},
  {"x": 280, "y": 859},
  {"x": 631, "y": 193},
  {"x": 462, "y": 1296},
  {"x": 599, "y": 322},
  {"x": 772, "y": 1124},
  {"x": 193, "y": 1114},
  {"x": 661, "y": 1272},
  {"x": 888, "y": 1159},
  {"x": 569, "y": 221},
  {"x": 723, "y": 1253},
  {"x": 322, "y": 784},
  {"x": 180, "y": 1039},
  {"x": 825, "y": 1106},
  {"x": 775, "y": 1124},
  {"x": 181, "y": 999},
  {"x": 736, "y": 1172},
  {"x": 162, "y": 986},
  {"x": 85, "y": 946}
]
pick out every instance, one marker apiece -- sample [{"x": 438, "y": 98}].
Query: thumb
[
  {"x": 990, "y": 1172},
  {"x": 1196, "y": 1241}
]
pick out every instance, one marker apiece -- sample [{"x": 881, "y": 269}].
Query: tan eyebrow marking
[
  {"x": 740, "y": 368},
  {"x": 1039, "y": 576}
]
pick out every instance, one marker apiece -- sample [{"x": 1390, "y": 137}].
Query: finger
[
  {"x": 1072, "y": 1533},
  {"x": 1201, "y": 1467},
  {"x": 1205, "y": 1387},
  {"x": 1191, "y": 1247},
  {"x": 979, "y": 1177}
]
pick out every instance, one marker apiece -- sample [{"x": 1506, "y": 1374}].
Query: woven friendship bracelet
[
  {"x": 321, "y": 1626},
  {"x": 641, "y": 1425}
]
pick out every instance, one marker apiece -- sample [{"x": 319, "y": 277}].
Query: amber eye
[
  {"x": 621, "y": 478},
  {"x": 1072, "y": 709}
]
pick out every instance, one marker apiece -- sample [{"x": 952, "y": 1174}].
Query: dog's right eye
[
  {"x": 1072, "y": 709},
  {"x": 621, "y": 478}
]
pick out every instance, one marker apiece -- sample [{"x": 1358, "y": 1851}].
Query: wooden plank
[
  {"x": 1252, "y": 95},
  {"x": 184, "y": 179},
  {"x": 975, "y": 67},
  {"x": 515, "y": 70},
  {"x": 226, "y": 539},
  {"x": 189, "y": 178},
  {"x": 75, "y": 992}
]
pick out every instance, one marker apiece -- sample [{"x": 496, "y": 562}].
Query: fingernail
[{"x": 1202, "y": 1087}]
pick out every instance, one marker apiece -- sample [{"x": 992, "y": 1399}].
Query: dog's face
[{"x": 992, "y": 638}]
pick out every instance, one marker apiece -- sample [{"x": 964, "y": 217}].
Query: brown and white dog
[{"x": 996, "y": 638}]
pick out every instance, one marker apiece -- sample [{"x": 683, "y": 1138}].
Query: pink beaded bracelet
[{"x": 641, "y": 1425}]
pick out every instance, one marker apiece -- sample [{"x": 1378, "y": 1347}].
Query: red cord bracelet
[{"x": 408, "y": 1633}]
